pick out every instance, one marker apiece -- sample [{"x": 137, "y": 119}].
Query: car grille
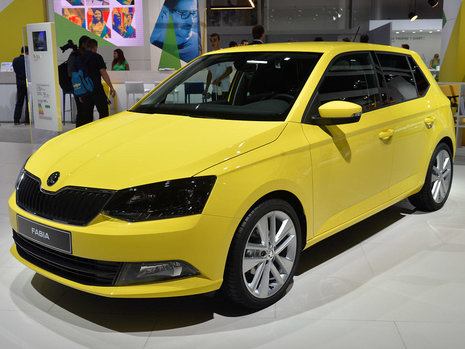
[
  {"x": 70, "y": 205},
  {"x": 82, "y": 270}
]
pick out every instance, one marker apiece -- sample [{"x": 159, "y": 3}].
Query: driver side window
[{"x": 350, "y": 78}]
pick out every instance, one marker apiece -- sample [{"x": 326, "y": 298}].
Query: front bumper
[{"x": 201, "y": 240}]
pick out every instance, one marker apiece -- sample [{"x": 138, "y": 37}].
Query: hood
[{"x": 130, "y": 149}]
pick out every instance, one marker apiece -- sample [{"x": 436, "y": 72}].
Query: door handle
[
  {"x": 386, "y": 135},
  {"x": 429, "y": 121}
]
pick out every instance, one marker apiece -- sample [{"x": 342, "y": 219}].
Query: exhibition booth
[
  {"x": 318, "y": 203},
  {"x": 146, "y": 39}
]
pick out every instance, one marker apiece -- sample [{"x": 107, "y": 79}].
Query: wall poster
[
  {"x": 117, "y": 22},
  {"x": 177, "y": 33}
]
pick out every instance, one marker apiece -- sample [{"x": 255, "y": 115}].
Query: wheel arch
[
  {"x": 292, "y": 200},
  {"x": 449, "y": 143}
]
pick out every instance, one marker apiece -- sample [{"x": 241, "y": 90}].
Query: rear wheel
[
  {"x": 438, "y": 181},
  {"x": 263, "y": 256}
]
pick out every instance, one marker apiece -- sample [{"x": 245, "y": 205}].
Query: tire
[
  {"x": 260, "y": 268},
  {"x": 438, "y": 181}
]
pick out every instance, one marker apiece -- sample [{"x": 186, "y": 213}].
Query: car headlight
[
  {"x": 174, "y": 198},
  {"x": 21, "y": 174}
]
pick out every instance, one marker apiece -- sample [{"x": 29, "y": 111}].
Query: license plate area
[{"x": 42, "y": 234}]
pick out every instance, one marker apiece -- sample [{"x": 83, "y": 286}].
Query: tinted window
[
  {"x": 350, "y": 78},
  {"x": 420, "y": 79},
  {"x": 398, "y": 76},
  {"x": 258, "y": 86}
]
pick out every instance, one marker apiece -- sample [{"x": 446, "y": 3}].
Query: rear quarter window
[
  {"x": 420, "y": 79},
  {"x": 400, "y": 81}
]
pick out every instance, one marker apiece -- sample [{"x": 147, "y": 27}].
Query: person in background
[
  {"x": 232, "y": 44},
  {"x": 244, "y": 42},
  {"x": 218, "y": 74},
  {"x": 406, "y": 46},
  {"x": 364, "y": 38},
  {"x": 435, "y": 62},
  {"x": 119, "y": 62},
  {"x": 72, "y": 67},
  {"x": 258, "y": 34},
  {"x": 19, "y": 66},
  {"x": 96, "y": 71}
]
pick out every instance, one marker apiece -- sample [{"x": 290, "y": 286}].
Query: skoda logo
[{"x": 53, "y": 178}]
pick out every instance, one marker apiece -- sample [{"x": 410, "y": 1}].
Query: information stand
[{"x": 44, "y": 86}]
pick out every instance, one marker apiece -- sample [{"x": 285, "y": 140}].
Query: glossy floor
[{"x": 396, "y": 280}]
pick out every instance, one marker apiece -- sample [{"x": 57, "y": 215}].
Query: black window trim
[
  {"x": 415, "y": 79},
  {"x": 307, "y": 118}
]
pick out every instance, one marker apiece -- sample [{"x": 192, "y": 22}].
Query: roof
[{"x": 314, "y": 46}]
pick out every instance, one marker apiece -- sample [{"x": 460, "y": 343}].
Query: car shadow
[{"x": 165, "y": 314}]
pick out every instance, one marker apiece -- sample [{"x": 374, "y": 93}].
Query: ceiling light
[
  {"x": 242, "y": 5},
  {"x": 433, "y": 3},
  {"x": 413, "y": 16}
]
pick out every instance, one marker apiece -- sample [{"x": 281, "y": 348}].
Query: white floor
[{"x": 396, "y": 280}]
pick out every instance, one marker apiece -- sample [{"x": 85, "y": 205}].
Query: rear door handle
[
  {"x": 386, "y": 135},
  {"x": 429, "y": 121}
]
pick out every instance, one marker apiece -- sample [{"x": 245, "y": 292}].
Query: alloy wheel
[
  {"x": 441, "y": 176},
  {"x": 270, "y": 254}
]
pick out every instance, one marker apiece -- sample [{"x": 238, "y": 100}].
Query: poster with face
[
  {"x": 182, "y": 18},
  {"x": 110, "y": 22},
  {"x": 122, "y": 21},
  {"x": 97, "y": 22}
]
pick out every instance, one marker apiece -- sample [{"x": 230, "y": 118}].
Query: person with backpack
[
  {"x": 71, "y": 68},
  {"x": 92, "y": 68}
]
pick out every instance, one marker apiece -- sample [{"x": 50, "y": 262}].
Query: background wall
[
  {"x": 453, "y": 43},
  {"x": 426, "y": 44},
  {"x": 14, "y": 15}
]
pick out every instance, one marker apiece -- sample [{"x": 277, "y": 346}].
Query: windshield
[{"x": 258, "y": 86}]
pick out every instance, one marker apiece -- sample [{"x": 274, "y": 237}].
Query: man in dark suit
[
  {"x": 19, "y": 67},
  {"x": 258, "y": 34}
]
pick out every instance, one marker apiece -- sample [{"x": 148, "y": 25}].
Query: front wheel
[
  {"x": 438, "y": 181},
  {"x": 263, "y": 256}
]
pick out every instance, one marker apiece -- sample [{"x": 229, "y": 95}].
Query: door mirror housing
[{"x": 338, "y": 112}]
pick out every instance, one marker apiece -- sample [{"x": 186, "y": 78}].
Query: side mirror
[{"x": 338, "y": 112}]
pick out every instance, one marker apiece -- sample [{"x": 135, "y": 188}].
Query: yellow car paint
[{"x": 335, "y": 175}]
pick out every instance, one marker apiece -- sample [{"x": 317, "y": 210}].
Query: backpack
[
  {"x": 82, "y": 83},
  {"x": 63, "y": 78}
]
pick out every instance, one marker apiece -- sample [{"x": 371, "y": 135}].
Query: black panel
[{"x": 82, "y": 270}]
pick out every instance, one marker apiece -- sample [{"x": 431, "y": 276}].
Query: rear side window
[
  {"x": 420, "y": 79},
  {"x": 399, "y": 79},
  {"x": 350, "y": 78}
]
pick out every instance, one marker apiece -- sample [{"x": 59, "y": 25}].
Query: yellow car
[{"x": 224, "y": 173}]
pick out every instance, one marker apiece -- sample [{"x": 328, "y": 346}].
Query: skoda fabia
[{"x": 225, "y": 172}]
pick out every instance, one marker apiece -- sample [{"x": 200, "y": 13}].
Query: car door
[
  {"x": 412, "y": 120},
  {"x": 351, "y": 162}
]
